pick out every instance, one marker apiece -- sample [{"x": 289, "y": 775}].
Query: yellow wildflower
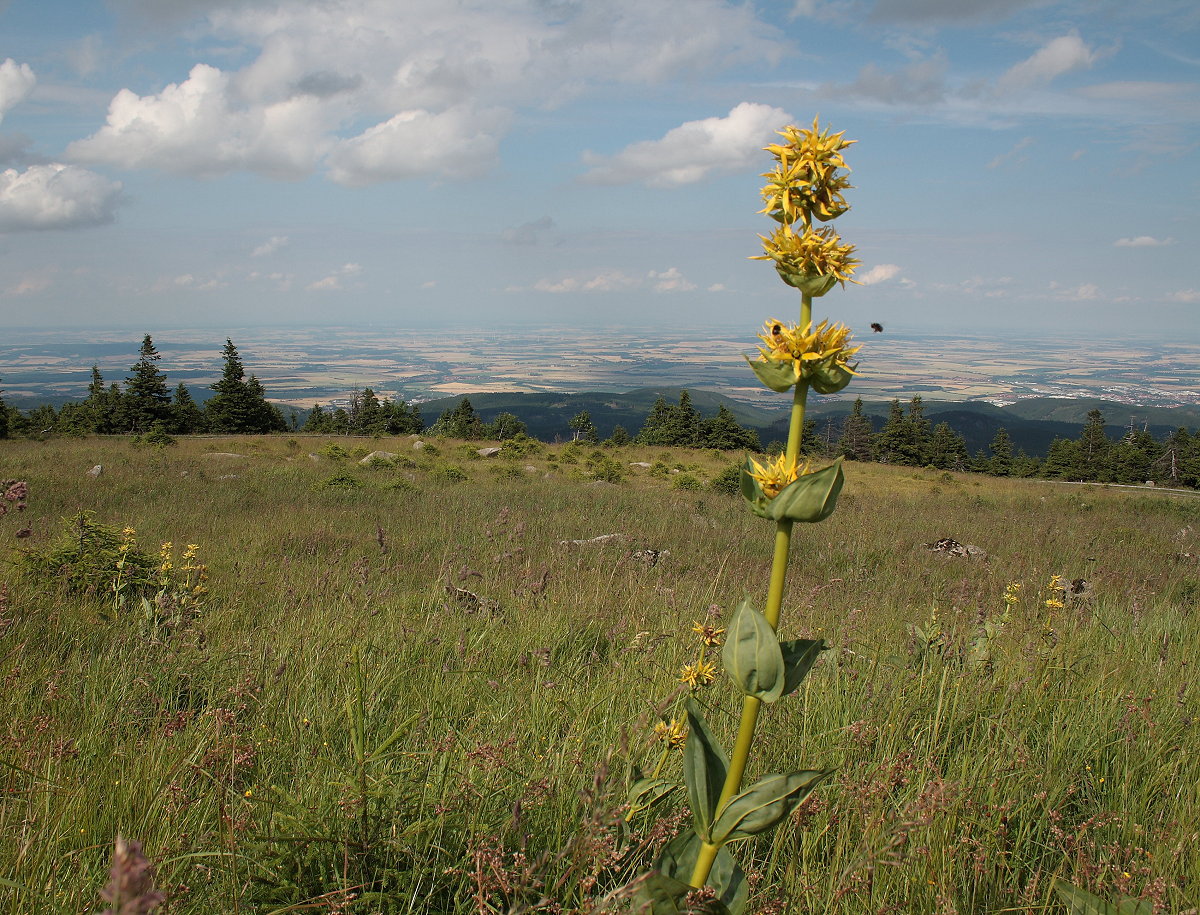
[
  {"x": 699, "y": 674},
  {"x": 806, "y": 182},
  {"x": 709, "y": 634},
  {"x": 1054, "y": 603},
  {"x": 674, "y": 733},
  {"x": 773, "y": 476},
  {"x": 807, "y": 347},
  {"x": 814, "y": 252}
]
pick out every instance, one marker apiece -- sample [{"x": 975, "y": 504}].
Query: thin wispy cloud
[{"x": 1143, "y": 241}]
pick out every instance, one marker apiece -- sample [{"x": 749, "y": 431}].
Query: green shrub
[
  {"x": 687, "y": 482},
  {"x": 728, "y": 481}
]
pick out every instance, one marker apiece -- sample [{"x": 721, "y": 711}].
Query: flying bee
[{"x": 877, "y": 327}]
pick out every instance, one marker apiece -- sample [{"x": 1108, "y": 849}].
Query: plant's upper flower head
[
  {"x": 806, "y": 182},
  {"x": 776, "y": 474},
  {"x": 807, "y": 348},
  {"x": 811, "y": 261}
]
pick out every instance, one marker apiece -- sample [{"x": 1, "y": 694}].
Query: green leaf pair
[
  {"x": 813, "y": 284},
  {"x": 1081, "y": 902},
  {"x": 758, "y": 663},
  {"x": 825, "y": 376},
  {"x": 810, "y": 498}
]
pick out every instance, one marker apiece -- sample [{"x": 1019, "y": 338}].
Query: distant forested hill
[{"x": 1031, "y": 424}]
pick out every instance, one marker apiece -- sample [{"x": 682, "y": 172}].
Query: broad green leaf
[
  {"x": 704, "y": 768},
  {"x": 764, "y": 804},
  {"x": 799, "y": 656},
  {"x": 811, "y": 498},
  {"x": 777, "y": 375},
  {"x": 658, "y": 894},
  {"x": 752, "y": 656},
  {"x": 815, "y": 285},
  {"x": 678, "y": 860},
  {"x": 646, "y": 792},
  {"x": 829, "y": 379},
  {"x": 1081, "y": 902},
  {"x": 751, "y": 491}
]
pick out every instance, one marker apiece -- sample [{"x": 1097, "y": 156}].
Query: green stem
[{"x": 779, "y": 563}]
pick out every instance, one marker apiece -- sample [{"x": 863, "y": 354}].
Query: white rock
[{"x": 96, "y": 471}]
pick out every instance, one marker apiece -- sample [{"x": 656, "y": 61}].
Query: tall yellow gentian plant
[{"x": 804, "y": 189}]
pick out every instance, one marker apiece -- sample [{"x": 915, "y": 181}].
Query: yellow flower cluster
[
  {"x": 776, "y": 474},
  {"x": 813, "y": 253},
  {"x": 1057, "y": 591},
  {"x": 1012, "y": 593},
  {"x": 709, "y": 634},
  {"x": 702, "y": 673},
  {"x": 673, "y": 732},
  {"x": 807, "y": 348},
  {"x": 805, "y": 182}
]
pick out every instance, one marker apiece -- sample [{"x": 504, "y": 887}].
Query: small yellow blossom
[
  {"x": 709, "y": 634},
  {"x": 806, "y": 182},
  {"x": 702, "y": 673},
  {"x": 674, "y": 733},
  {"x": 1053, "y": 603},
  {"x": 773, "y": 476},
  {"x": 814, "y": 252},
  {"x": 807, "y": 347}
]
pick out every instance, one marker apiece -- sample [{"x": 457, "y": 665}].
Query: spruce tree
[
  {"x": 460, "y": 421},
  {"x": 724, "y": 433},
  {"x": 892, "y": 444},
  {"x": 857, "y": 434},
  {"x": 1001, "y": 462},
  {"x": 147, "y": 400},
  {"x": 947, "y": 449},
  {"x": 3, "y": 416},
  {"x": 1095, "y": 449},
  {"x": 231, "y": 409},
  {"x": 186, "y": 416}
]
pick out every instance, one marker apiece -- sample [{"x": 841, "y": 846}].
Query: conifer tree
[
  {"x": 857, "y": 434},
  {"x": 1000, "y": 464},
  {"x": 186, "y": 416},
  {"x": 3, "y": 416},
  {"x": 460, "y": 421},
  {"x": 724, "y": 433},
  {"x": 1095, "y": 450},
  {"x": 947, "y": 449},
  {"x": 147, "y": 400}
]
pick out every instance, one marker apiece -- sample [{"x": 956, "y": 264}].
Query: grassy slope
[{"x": 227, "y": 750}]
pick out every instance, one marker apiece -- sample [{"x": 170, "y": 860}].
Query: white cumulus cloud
[
  {"x": 460, "y": 142},
  {"x": 438, "y": 81},
  {"x": 270, "y": 246},
  {"x": 1186, "y": 296},
  {"x": 16, "y": 82},
  {"x": 55, "y": 196},
  {"x": 670, "y": 280},
  {"x": 1143, "y": 241},
  {"x": 690, "y": 152},
  {"x": 201, "y": 127},
  {"x": 1058, "y": 56},
  {"x": 880, "y": 273}
]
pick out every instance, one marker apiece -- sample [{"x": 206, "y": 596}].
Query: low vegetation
[{"x": 425, "y": 683}]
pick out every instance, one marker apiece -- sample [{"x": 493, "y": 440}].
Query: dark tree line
[
  {"x": 367, "y": 415},
  {"x": 908, "y": 440},
  {"x": 146, "y": 404}
]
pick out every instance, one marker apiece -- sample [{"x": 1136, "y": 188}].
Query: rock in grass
[
  {"x": 95, "y": 471},
  {"x": 388, "y": 456}
]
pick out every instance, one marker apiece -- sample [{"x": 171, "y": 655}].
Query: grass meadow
[{"x": 403, "y": 692}]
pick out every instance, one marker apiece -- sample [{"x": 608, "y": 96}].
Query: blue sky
[{"x": 1021, "y": 165}]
